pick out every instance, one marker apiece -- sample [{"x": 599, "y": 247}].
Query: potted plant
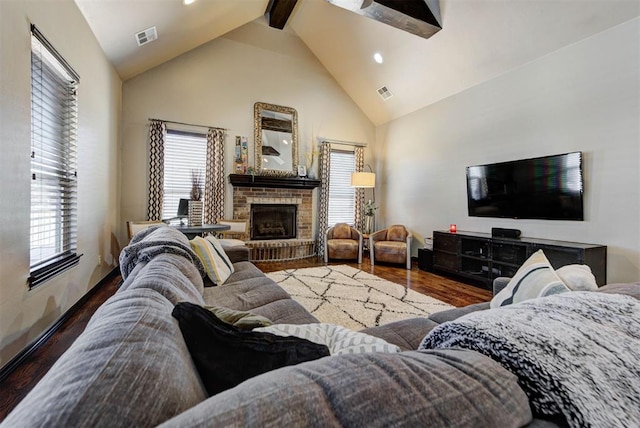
[
  {"x": 369, "y": 211},
  {"x": 195, "y": 201}
]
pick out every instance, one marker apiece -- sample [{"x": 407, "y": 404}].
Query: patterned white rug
[{"x": 353, "y": 298}]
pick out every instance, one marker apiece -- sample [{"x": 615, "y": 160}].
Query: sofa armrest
[
  {"x": 239, "y": 253},
  {"x": 499, "y": 283}
]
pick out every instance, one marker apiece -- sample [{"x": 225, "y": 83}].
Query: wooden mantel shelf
[{"x": 247, "y": 180}]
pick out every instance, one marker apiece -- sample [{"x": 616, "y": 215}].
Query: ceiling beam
[
  {"x": 278, "y": 12},
  {"x": 419, "y": 17}
]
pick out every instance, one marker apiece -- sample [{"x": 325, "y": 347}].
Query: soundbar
[{"x": 498, "y": 232}]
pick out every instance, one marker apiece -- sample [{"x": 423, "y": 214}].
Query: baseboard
[{"x": 16, "y": 361}]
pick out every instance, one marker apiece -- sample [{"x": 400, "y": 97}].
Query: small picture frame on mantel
[{"x": 302, "y": 171}]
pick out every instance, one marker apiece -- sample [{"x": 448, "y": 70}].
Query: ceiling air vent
[
  {"x": 384, "y": 93},
  {"x": 146, "y": 36}
]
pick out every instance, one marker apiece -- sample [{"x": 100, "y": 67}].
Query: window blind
[
  {"x": 54, "y": 116},
  {"x": 183, "y": 153},
  {"x": 341, "y": 194}
]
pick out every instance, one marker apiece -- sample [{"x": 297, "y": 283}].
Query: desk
[{"x": 192, "y": 231}]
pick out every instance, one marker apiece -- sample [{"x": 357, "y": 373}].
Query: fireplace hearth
[{"x": 273, "y": 221}]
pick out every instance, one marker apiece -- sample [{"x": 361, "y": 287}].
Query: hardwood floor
[{"x": 16, "y": 386}]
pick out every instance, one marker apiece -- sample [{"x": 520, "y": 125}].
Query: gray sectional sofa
[{"x": 131, "y": 366}]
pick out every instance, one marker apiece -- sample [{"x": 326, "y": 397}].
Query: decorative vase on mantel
[{"x": 195, "y": 213}]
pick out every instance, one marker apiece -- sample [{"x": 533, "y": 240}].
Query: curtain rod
[
  {"x": 189, "y": 124},
  {"x": 344, "y": 143}
]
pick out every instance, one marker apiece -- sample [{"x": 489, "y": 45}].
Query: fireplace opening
[{"x": 273, "y": 221}]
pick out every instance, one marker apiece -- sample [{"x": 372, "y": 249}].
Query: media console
[{"x": 481, "y": 258}]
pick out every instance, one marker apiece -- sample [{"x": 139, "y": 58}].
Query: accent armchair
[
  {"x": 134, "y": 227},
  {"x": 343, "y": 242},
  {"x": 236, "y": 235},
  {"x": 392, "y": 245}
]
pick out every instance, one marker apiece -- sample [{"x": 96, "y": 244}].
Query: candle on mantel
[{"x": 452, "y": 228}]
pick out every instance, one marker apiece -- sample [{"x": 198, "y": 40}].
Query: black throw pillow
[{"x": 225, "y": 355}]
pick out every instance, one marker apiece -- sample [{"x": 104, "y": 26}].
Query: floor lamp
[{"x": 365, "y": 180}]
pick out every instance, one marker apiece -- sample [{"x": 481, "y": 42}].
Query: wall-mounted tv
[{"x": 548, "y": 187}]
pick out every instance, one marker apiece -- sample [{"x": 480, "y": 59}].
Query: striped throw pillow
[
  {"x": 339, "y": 340},
  {"x": 535, "y": 278},
  {"x": 215, "y": 260}
]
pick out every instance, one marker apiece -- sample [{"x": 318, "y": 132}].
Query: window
[
  {"x": 54, "y": 112},
  {"x": 184, "y": 152},
  {"x": 342, "y": 198}
]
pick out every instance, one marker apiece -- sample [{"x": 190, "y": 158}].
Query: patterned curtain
[
  {"x": 359, "y": 192},
  {"x": 157, "y": 131},
  {"x": 323, "y": 209},
  {"x": 214, "y": 178}
]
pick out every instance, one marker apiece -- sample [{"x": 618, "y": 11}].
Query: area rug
[{"x": 353, "y": 298}]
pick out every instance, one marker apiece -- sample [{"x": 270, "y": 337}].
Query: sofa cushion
[
  {"x": 285, "y": 311},
  {"x": 243, "y": 271},
  {"x": 226, "y": 355},
  {"x": 244, "y": 320},
  {"x": 173, "y": 276},
  {"x": 130, "y": 367},
  {"x": 238, "y": 253},
  {"x": 406, "y": 334},
  {"x": 629, "y": 288},
  {"x": 439, "y": 388},
  {"x": 535, "y": 278},
  {"x": 245, "y": 295},
  {"x": 452, "y": 314}
]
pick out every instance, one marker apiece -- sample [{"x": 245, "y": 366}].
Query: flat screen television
[{"x": 548, "y": 187}]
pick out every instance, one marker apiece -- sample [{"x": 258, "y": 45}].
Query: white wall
[
  {"x": 25, "y": 314},
  {"x": 584, "y": 97},
  {"x": 217, "y": 84}
]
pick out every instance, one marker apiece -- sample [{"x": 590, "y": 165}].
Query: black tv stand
[{"x": 481, "y": 258}]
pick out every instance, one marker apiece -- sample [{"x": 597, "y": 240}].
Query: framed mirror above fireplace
[{"x": 276, "y": 139}]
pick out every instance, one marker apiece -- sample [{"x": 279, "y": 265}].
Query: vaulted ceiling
[{"x": 479, "y": 40}]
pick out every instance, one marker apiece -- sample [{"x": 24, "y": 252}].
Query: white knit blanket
[{"x": 576, "y": 355}]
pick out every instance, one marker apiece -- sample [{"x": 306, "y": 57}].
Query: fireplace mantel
[{"x": 247, "y": 180}]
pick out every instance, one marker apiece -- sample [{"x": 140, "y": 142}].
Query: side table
[
  {"x": 193, "y": 231},
  {"x": 425, "y": 259},
  {"x": 365, "y": 242}
]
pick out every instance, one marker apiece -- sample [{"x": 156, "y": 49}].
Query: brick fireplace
[{"x": 251, "y": 191}]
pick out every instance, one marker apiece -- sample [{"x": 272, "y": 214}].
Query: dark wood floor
[{"x": 25, "y": 377}]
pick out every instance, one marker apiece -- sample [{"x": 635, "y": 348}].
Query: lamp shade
[{"x": 363, "y": 179}]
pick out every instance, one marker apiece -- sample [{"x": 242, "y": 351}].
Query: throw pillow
[
  {"x": 242, "y": 319},
  {"x": 216, "y": 263},
  {"x": 535, "y": 278},
  {"x": 339, "y": 340},
  {"x": 220, "y": 251},
  {"x": 578, "y": 277},
  {"x": 225, "y": 356}
]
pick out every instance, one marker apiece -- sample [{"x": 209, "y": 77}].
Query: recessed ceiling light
[
  {"x": 187, "y": 2},
  {"x": 378, "y": 57}
]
